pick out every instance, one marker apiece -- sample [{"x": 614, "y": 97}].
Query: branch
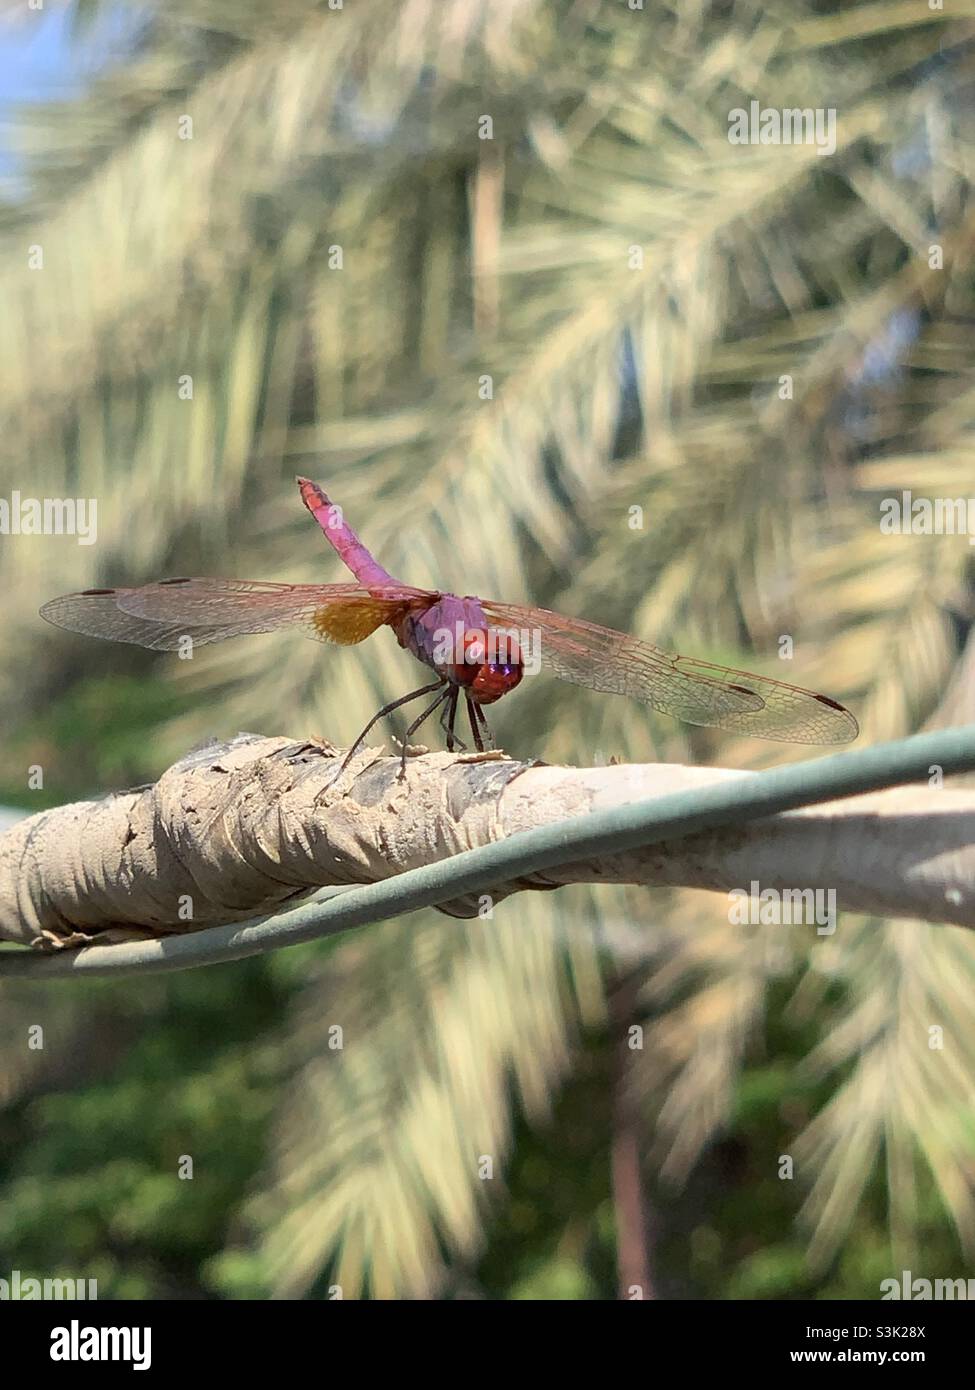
[{"x": 247, "y": 827}]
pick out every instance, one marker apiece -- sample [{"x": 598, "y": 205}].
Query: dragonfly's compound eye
[
  {"x": 501, "y": 672},
  {"x": 493, "y": 680},
  {"x": 491, "y": 665}
]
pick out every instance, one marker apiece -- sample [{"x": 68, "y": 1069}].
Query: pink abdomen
[{"x": 342, "y": 538}]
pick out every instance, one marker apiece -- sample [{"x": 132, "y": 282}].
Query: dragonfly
[{"x": 478, "y": 649}]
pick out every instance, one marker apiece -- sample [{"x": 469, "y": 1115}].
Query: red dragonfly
[{"x": 476, "y": 647}]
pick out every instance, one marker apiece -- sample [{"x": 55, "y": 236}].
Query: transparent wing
[
  {"x": 163, "y": 615},
  {"x": 696, "y": 691}
]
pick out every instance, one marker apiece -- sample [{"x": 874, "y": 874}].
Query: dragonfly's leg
[
  {"x": 472, "y": 714},
  {"x": 443, "y": 694},
  {"x": 388, "y": 709},
  {"x": 447, "y": 722},
  {"x": 485, "y": 731}
]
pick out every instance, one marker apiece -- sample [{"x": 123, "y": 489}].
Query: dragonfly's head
[{"x": 492, "y": 665}]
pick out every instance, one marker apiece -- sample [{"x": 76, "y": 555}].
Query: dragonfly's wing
[
  {"x": 96, "y": 614},
  {"x": 696, "y": 691},
  {"x": 164, "y": 615}
]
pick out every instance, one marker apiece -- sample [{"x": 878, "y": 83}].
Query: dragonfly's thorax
[{"x": 454, "y": 637}]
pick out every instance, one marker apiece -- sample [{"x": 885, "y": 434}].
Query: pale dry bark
[{"x": 247, "y": 828}]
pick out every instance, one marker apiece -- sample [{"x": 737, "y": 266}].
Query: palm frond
[{"x": 410, "y": 1047}]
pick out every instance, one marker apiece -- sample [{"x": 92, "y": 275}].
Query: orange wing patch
[{"x": 348, "y": 623}]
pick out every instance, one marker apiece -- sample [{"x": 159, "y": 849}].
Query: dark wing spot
[
  {"x": 825, "y": 700},
  {"x": 742, "y": 689},
  {"x": 94, "y": 593},
  {"x": 174, "y": 581}
]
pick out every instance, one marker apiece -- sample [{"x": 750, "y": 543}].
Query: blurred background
[{"x": 492, "y": 271}]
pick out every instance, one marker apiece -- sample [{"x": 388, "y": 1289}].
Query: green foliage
[
  {"x": 91, "y": 1176},
  {"x": 95, "y": 735}
]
